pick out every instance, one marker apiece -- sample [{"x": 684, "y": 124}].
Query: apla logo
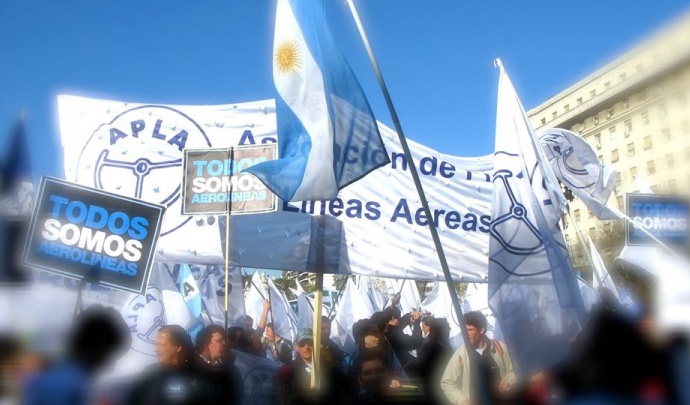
[
  {"x": 559, "y": 148},
  {"x": 145, "y": 315},
  {"x": 137, "y": 154}
]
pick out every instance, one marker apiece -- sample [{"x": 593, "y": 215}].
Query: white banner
[{"x": 136, "y": 150}]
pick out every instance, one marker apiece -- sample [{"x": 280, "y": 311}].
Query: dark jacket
[
  {"x": 432, "y": 360},
  {"x": 193, "y": 384},
  {"x": 292, "y": 385},
  {"x": 402, "y": 344}
]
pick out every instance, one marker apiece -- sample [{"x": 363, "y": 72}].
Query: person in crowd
[
  {"x": 249, "y": 323},
  {"x": 10, "y": 369},
  {"x": 433, "y": 357},
  {"x": 392, "y": 326},
  {"x": 96, "y": 338},
  {"x": 376, "y": 382},
  {"x": 217, "y": 363},
  {"x": 210, "y": 345},
  {"x": 235, "y": 336},
  {"x": 424, "y": 324},
  {"x": 331, "y": 353},
  {"x": 277, "y": 347},
  {"x": 180, "y": 378},
  {"x": 294, "y": 379},
  {"x": 492, "y": 374}
]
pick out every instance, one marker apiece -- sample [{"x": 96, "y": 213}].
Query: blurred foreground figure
[
  {"x": 180, "y": 377},
  {"x": 97, "y": 337},
  {"x": 618, "y": 361},
  {"x": 433, "y": 357},
  {"x": 492, "y": 368},
  {"x": 377, "y": 385}
]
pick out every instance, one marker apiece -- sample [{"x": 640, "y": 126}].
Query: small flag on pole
[
  {"x": 192, "y": 297},
  {"x": 327, "y": 133}
]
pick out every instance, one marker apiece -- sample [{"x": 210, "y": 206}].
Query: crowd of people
[{"x": 613, "y": 358}]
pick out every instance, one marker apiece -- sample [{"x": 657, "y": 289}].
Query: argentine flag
[
  {"x": 192, "y": 297},
  {"x": 327, "y": 133}
]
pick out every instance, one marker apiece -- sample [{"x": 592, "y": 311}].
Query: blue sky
[{"x": 436, "y": 56}]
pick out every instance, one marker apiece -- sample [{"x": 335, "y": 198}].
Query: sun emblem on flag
[{"x": 287, "y": 57}]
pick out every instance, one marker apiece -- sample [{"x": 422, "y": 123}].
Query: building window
[
  {"x": 666, "y": 134},
  {"x": 663, "y": 111},
  {"x": 642, "y": 96},
  {"x": 567, "y": 239},
  {"x": 590, "y": 214},
  {"x": 554, "y": 115},
  {"x": 686, "y": 126},
  {"x": 654, "y": 188},
  {"x": 672, "y": 186},
  {"x": 577, "y": 215},
  {"x": 607, "y": 227},
  {"x": 639, "y": 68},
  {"x": 593, "y": 93},
  {"x": 579, "y": 100},
  {"x": 580, "y": 128},
  {"x": 612, "y": 133},
  {"x": 670, "y": 161},
  {"x": 626, "y": 103},
  {"x": 609, "y": 114},
  {"x": 631, "y": 149},
  {"x": 597, "y": 140},
  {"x": 627, "y": 128},
  {"x": 622, "y": 76},
  {"x": 614, "y": 156},
  {"x": 647, "y": 142},
  {"x": 566, "y": 108},
  {"x": 651, "y": 168},
  {"x": 618, "y": 181},
  {"x": 593, "y": 232},
  {"x": 633, "y": 172},
  {"x": 621, "y": 202},
  {"x": 607, "y": 85},
  {"x": 543, "y": 121},
  {"x": 645, "y": 118},
  {"x": 596, "y": 119},
  {"x": 601, "y": 158}
]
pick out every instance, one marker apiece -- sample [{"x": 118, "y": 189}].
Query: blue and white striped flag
[
  {"x": 532, "y": 287},
  {"x": 192, "y": 297},
  {"x": 327, "y": 133}
]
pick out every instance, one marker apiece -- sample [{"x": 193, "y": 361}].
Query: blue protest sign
[
  {"x": 664, "y": 216},
  {"x": 85, "y": 233}
]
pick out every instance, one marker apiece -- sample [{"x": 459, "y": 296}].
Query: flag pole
[
  {"x": 227, "y": 237},
  {"x": 415, "y": 175},
  {"x": 316, "y": 353}
]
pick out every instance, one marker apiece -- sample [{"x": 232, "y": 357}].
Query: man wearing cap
[{"x": 294, "y": 379}]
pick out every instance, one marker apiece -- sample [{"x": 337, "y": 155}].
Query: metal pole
[
  {"x": 227, "y": 236},
  {"x": 415, "y": 176},
  {"x": 316, "y": 353}
]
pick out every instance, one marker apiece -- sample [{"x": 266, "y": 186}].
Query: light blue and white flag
[
  {"x": 576, "y": 164},
  {"x": 532, "y": 287},
  {"x": 602, "y": 273},
  {"x": 192, "y": 297},
  {"x": 327, "y": 134}
]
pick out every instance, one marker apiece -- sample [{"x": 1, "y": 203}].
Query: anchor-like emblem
[
  {"x": 523, "y": 239},
  {"x": 140, "y": 168}
]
